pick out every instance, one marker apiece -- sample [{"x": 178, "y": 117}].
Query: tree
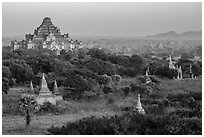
[
  {"x": 66, "y": 55},
  {"x": 98, "y": 53},
  {"x": 136, "y": 62},
  {"x": 61, "y": 67},
  {"x": 5, "y": 85},
  {"x": 104, "y": 80},
  {"x": 187, "y": 55},
  {"x": 197, "y": 70},
  {"x": 78, "y": 83},
  {"x": 20, "y": 70},
  {"x": 27, "y": 105},
  {"x": 165, "y": 71},
  {"x": 116, "y": 79},
  {"x": 100, "y": 67},
  {"x": 6, "y": 72},
  {"x": 82, "y": 53}
]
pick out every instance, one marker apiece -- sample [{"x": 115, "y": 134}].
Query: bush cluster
[
  {"x": 131, "y": 124},
  {"x": 48, "y": 108}
]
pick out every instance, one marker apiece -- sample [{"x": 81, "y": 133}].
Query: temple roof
[{"x": 46, "y": 28}]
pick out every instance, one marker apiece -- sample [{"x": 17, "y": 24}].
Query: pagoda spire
[
  {"x": 170, "y": 60},
  {"x": 146, "y": 74},
  {"x": 147, "y": 78},
  {"x": 181, "y": 73},
  {"x": 31, "y": 86},
  {"x": 55, "y": 88},
  {"x": 44, "y": 89},
  {"x": 171, "y": 65},
  {"x": 191, "y": 73},
  {"x": 138, "y": 106},
  {"x": 180, "y": 76}
]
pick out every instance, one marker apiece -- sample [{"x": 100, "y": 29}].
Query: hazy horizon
[{"x": 129, "y": 19}]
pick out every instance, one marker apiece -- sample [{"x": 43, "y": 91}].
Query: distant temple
[
  {"x": 179, "y": 72},
  {"x": 147, "y": 78},
  {"x": 47, "y": 36},
  {"x": 171, "y": 65},
  {"x": 191, "y": 72}
]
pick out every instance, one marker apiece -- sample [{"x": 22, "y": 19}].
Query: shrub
[
  {"x": 47, "y": 107},
  {"x": 165, "y": 71},
  {"x": 107, "y": 90},
  {"x": 126, "y": 90},
  {"x": 190, "y": 99},
  {"x": 136, "y": 88},
  {"x": 5, "y": 85},
  {"x": 110, "y": 100},
  {"x": 129, "y": 124},
  {"x": 10, "y": 104}
]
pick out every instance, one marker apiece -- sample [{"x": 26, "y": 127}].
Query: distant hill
[{"x": 195, "y": 35}]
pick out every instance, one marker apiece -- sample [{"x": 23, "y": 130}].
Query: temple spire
[
  {"x": 180, "y": 76},
  {"x": 31, "y": 86},
  {"x": 55, "y": 88},
  {"x": 191, "y": 73},
  {"x": 147, "y": 78},
  {"x": 146, "y": 74},
  {"x": 138, "y": 106},
  {"x": 170, "y": 60},
  {"x": 171, "y": 65},
  {"x": 44, "y": 89}
]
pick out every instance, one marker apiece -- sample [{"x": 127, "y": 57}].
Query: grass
[
  {"x": 180, "y": 86},
  {"x": 16, "y": 124},
  {"x": 107, "y": 105}
]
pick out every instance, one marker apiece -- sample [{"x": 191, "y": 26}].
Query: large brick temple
[{"x": 47, "y": 36}]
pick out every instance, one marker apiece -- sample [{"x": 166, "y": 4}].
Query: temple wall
[{"x": 51, "y": 99}]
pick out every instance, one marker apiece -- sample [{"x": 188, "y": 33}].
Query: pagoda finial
[
  {"x": 139, "y": 106},
  {"x": 146, "y": 73},
  {"x": 31, "y": 86},
  {"x": 170, "y": 60},
  {"x": 55, "y": 88}
]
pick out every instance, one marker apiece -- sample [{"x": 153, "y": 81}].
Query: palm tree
[{"x": 27, "y": 105}]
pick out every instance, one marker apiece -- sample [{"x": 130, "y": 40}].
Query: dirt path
[{"x": 16, "y": 124}]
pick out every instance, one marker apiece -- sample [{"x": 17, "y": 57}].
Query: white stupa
[
  {"x": 147, "y": 78},
  {"x": 45, "y": 95},
  {"x": 191, "y": 72},
  {"x": 31, "y": 86},
  {"x": 179, "y": 71},
  {"x": 171, "y": 65},
  {"x": 138, "y": 106},
  {"x": 55, "y": 89}
]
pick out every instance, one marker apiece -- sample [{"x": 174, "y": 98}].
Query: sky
[{"x": 103, "y": 19}]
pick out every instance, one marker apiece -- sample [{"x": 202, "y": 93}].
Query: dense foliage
[
  {"x": 178, "y": 114},
  {"x": 131, "y": 124}
]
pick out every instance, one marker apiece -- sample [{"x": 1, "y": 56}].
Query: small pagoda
[
  {"x": 171, "y": 65},
  {"x": 191, "y": 72},
  {"x": 138, "y": 108},
  {"x": 45, "y": 95},
  {"x": 179, "y": 72},
  {"x": 31, "y": 86},
  {"x": 147, "y": 78}
]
